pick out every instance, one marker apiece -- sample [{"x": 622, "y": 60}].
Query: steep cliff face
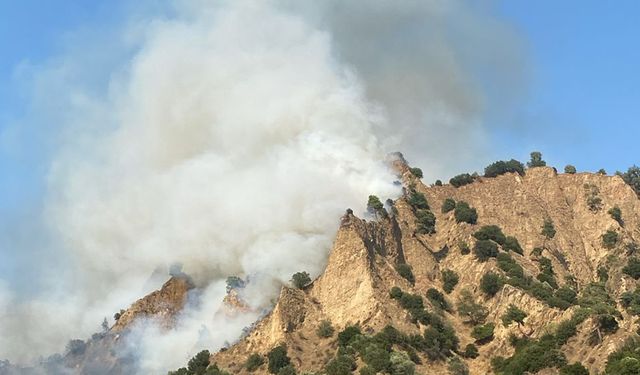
[{"x": 354, "y": 289}]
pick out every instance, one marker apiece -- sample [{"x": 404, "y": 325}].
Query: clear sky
[{"x": 582, "y": 105}]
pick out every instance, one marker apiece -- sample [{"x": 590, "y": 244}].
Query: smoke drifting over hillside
[{"x": 231, "y": 142}]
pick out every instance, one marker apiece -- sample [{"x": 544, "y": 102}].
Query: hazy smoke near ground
[{"x": 231, "y": 142}]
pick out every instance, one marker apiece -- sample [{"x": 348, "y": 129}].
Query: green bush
[
  {"x": 470, "y": 351},
  {"x": 491, "y": 283},
  {"x": 485, "y": 249},
  {"x": 607, "y": 323},
  {"x": 376, "y": 357},
  {"x": 464, "y": 248},
  {"x": 483, "y": 334},
  {"x": 449, "y": 280},
  {"x": 341, "y": 365},
  {"x": 325, "y": 329},
  {"x": 404, "y": 270},
  {"x": 512, "y": 244},
  {"x": 417, "y": 201},
  {"x": 513, "y": 314},
  {"x": 438, "y": 183},
  {"x": 348, "y": 334},
  {"x": 626, "y": 360},
  {"x": 474, "y": 312},
  {"x": 426, "y": 222},
  {"x": 602, "y": 172},
  {"x": 610, "y": 239},
  {"x": 548, "y": 230},
  {"x": 632, "y": 178},
  {"x": 536, "y": 160},
  {"x": 401, "y": 364},
  {"x": 461, "y": 180},
  {"x": 490, "y": 232},
  {"x": 448, "y": 205},
  {"x": 501, "y": 167},
  {"x": 395, "y": 293},
  {"x": 278, "y": 358},
  {"x": 254, "y": 362},
  {"x": 592, "y": 197},
  {"x": 374, "y": 205},
  {"x": 287, "y": 370},
  {"x": 440, "y": 341},
  {"x": 465, "y": 213},
  {"x": 632, "y": 268},
  {"x": 509, "y": 266},
  {"x": 416, "y": 172},
  {"x": 456, "y": 366},
  {"x": 300, "y": 279},
  {"x": 570, "y": 169},
  {"x": 616, "y": 214},
  {"x": 437, "y": 299},
  {"x": 603, "y": 274}
]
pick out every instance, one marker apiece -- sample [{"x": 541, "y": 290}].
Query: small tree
[
  {"x": 375, "y": 206},
  {"x": 502, "y": 167},
  {"x": 490, "y": 232},
  {"x": 437, "y": 299},
  {"x": 438, "y": 183},
  {"x": 449, "y": 280},
  {"x": 234, "y": 282},
  {"x": 548, "y": 230},
  {"x": 254, "y": 362},
  {"x": 278, "y": 358},
  {"x": 448, "y": 205},
  {"x": 417, "y": 172},
  {"x": 465, "y": 214},
  {"x": 300, "y": 279},
  {"x": 512, "y": 244},
  {"x": 325, "y": 329},
  {"x": 105, "y": 325},
  {"x": 536, "y": 160},
  {"x": 464, "y": 248},
  {"x": 610, "y": 239},
  {"x": 474, "y": 312},
  {"x": 513, "y": 314},
  {"x": 417, "y": 201},
  {"x": 404, "y": 270},
  {"x": 287, "y": 370},
  {"x": 485, "y": 249},
  {"x": 602, "y": 172},
  {"x": 483, "y": 334},
  {"x": 461, "y": 180},
  {"x": 577, "y": 369},
  {"x": 632, "y": 178},
  {"x": 470, "y": 351},
  {"x": 426, "y": 222},
  {"x": 491, "y": 283},
  {"x": 616, "y": 214},
  {"x": 632, "y": 268},
  {"x": 456, "y": 366},
  {"x": 199, "y": 363},
  {"x": 570, "y": 169}
]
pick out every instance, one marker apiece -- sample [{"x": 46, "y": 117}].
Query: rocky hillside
[{"x": 534, "y": 283}]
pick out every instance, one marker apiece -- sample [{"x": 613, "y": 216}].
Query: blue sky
[{"x": 582, "y": 105}]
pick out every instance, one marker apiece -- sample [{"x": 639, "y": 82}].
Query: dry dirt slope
[{"x": 354, "y": 289}]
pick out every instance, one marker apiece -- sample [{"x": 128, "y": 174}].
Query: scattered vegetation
[
  {"x": 300, "y": 279},
  {"x": 464, "y": 248},
  {"x": 610, "y": 239},
  {"x": 574, "y": 369},
  {"x": 461, "y": 180},
  {"x": 325, "y": 329},
  {"x": 465, "y": 213},
  {"x": 536, "y": 160},
  {"x": 456, "y": 366},
  {"x": 449, "y": 280},
  {"x": 548, "y": 230},
  {"x": 501, "y": 167},
  {"x": 448, "y": 205},
  {"x": 592, "y": 197},
  {"x": 632, "y": 268},
  {"x": 199, "y": 365},
  {"x": 616, "y": 214},
  {"x": 404, "y": 270},
  {"x": 468, "y": 308},
  {"x": 626, "y": 360},
  {"x": 570, "y": 169},
  {"x": 485, "y": 249},
  {"x": 513, "y": 314},
  {"x": 426, "y": 220}
]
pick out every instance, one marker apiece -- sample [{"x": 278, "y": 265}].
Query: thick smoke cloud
[{"x": 230, "y": 142}]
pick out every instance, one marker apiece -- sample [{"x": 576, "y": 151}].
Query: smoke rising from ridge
[{"x": 231, "y": 142}]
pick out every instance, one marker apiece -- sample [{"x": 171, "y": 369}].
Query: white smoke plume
[{"x": 231, "y": 142}]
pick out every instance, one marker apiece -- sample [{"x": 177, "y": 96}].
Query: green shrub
[
  {"x": 610, "y": 239},
  {"x": 570, "y": 169},
  {"x": 470, "y": 351},
  {"x": 341, "y": 365},
  {"x": 325, "y": 329},
  {"x": 501, "y": 167},
  {"x": 440, "y": 341},
  {"x": 602, "y": 172},
  {"x": 566, "y": 294},
  {"x": 483, "y": 334},
  {"x": 461, "y": 180},
  {"x": 512, "y": 244},
  {"x": 485, "y": 249},
  {"x": 632, "y": 178},
  {"x": 513, "y": 314},
  {"x": 456, "y": 366},
  {"x": 437, "y": 299},
  {"x": 300, "y": 279},
  {"x": 464, "y": 248},
  {"x": 509, "y": 266},
  {"x": 401, "y": 364},
  {"x": 592, "y": 197},
  {"x": 449, "y": 280},
  {"x": 632, "y": 268},
  {"x": 395, "y": 293},
  {"x": 404, "y": 270},
  {"x": 536, "y": 160},
  {"x": 234, "y": 282},
  {"x": 426, "y": 222},
  {"x": 465, "y": 213},
  {"x": 491, "y": 283},
  {"x": 417, "y": 172},
  {"x": 376, "y": 357},
  {"x": 616, "y": 214},
  {"x": 348, "y": 334},
  {"x": 278, "y": 358},
  {"x": 490, "y": 232},
  {"x": 474, "y": 312},
  {"x": 607, "y": 323},
  {"x": 375, "y": 206},
  {"x": 448, "y": 205},
  {"x": 626, "y": 360},
  {"x": 438, "y": 183},
  {"x": 417, "y": 201},
  {"x": 253, "y": 362},
  {"x": 603, "y": 274},
  {"x": 287, "y": 370},
  {"x": 548, "y": 230}
]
